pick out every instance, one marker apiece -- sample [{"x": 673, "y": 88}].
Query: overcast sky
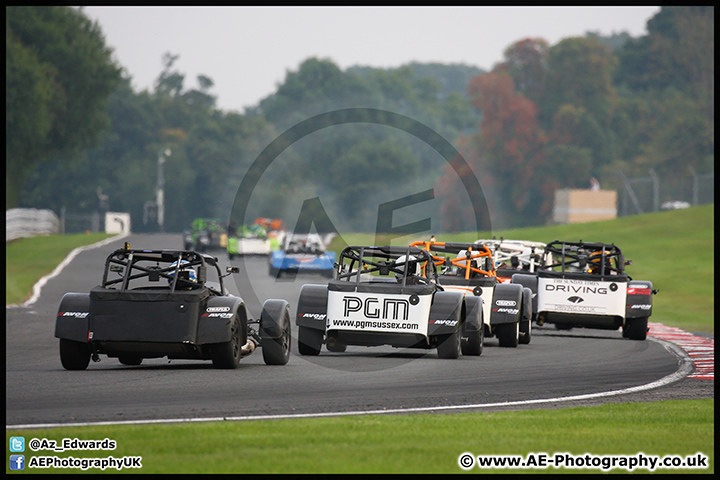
[{"x": 247, "y": 51}]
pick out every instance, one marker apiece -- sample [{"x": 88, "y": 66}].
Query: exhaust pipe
[{"x": 248, "y": 348}]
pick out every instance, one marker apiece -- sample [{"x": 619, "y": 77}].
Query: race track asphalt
[{"x": 554, "y": 366}]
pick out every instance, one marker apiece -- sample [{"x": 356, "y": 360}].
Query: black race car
[
  {"x": 387, "y": 296},
  {"x": 159, "y": 303}
]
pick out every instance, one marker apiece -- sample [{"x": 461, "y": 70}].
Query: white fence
[{"x": 29, "y": 222}]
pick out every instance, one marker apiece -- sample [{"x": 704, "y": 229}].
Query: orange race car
[{"x": 469, "y": 268}]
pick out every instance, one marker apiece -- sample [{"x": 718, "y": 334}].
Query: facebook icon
[{"x": 17, "y": 462}]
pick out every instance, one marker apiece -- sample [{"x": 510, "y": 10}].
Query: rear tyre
[
  {"x": 309, "y": 341},
  {"x": 449, "y": 346},
  {"x": 636, "y": 328},
  {"x": 508, "y": 334},
  {"x": 74, "y": 355},
  {"x": 227, "y": 355}
]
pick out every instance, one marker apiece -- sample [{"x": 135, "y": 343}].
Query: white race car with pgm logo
[
  {"x": 388, "y": 296},
  {"x": 584, "y": 284}
]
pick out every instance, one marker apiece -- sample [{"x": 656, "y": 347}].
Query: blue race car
[{"x": 302, "y": 254}]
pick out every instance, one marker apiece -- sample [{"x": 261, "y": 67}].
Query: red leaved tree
[{"x": 510, "y": 137}]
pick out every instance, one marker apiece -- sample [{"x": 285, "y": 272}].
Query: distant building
[{"x": 582, "y": 205}]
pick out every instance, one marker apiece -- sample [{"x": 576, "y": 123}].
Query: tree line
[{"x": 546, "y": 117}]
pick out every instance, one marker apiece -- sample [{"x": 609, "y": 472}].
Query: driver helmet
[
  {"x": 595, "y": 261},
  {"x": 409, "y": 262},
  {"x": 185, "y": 273}
]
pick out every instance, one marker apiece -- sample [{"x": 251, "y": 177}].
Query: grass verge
[
  {"x": 420, "y": 443},
  {"x": 29, "y": 259}
]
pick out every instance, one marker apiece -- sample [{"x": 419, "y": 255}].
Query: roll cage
[
  {"x": 303, "y": 244},
  {"x": 147, "y": 267},
  {"x": 597, "y": 258},
  {"x": 356, "y": 262},
  {"x": 464, "y": 266},
  {"x": 515, "y": 254}
]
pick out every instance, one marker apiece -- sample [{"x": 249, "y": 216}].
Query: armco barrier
[{"x": 29, "y": 222}]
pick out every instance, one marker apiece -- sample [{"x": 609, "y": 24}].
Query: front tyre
[
  {"x": 526, "y": 317},
  {"x": 334, "y": 345},
  {"x": 525, "y": 331},
  {"x": 130, "y": 360},
  {"x": 74, "y": 355},
  {"x": 508, "y": 334},
  {"x": 276, "y": 351},
  {"x": 473, "y": 343}
]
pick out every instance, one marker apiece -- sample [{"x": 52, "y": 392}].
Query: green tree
[
  {"x": 383, "y": 168},
  {"x": 526, "y": 62},
  {"x": 59, "y": 75},
  {"x": 580, "y": 73},
  {"x": 678, "y": 51},
  {"x": 665, "y": 119},
  {"x": 318, "y": 86}
]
